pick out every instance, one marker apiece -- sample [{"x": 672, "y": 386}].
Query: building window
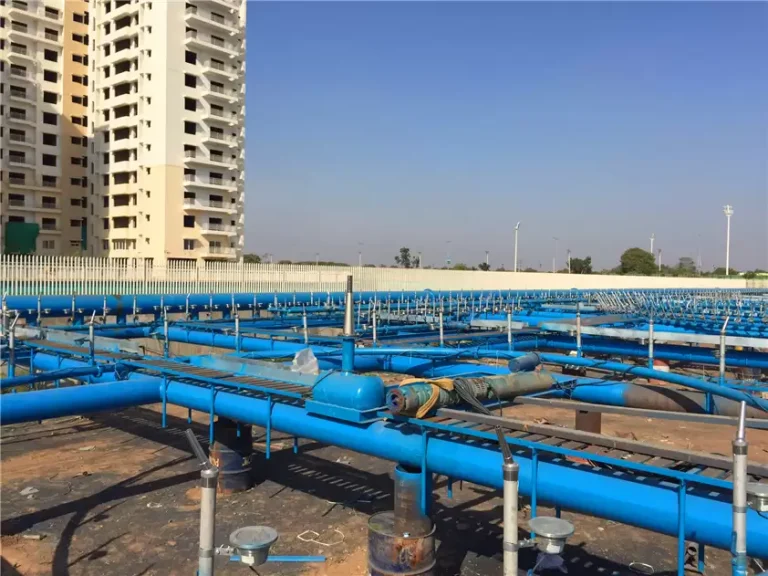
[
  {"x": 189, "y": 221},
  {"x": 190, "y": 104},
  {"x": 49, "y": 181},
  {"x": 49, "y": 160},
  {"x": 51, "y": 55},
  {"x": 79, "y": 38},
  {"x": 105, "y": 221},
  {"x": 49, "y": 139},
  {"x": 50, "y": 76},
  {"x": 51, "y": 34},
  {"x": 79, "y": 18},
  {"x": 15, "y": 218},
  {"x": 190, "y": 127},
  {"x": 49, "y": 244},
  {"x": 189, "y": 244},
  {"x": 190, "y": 57},
  {"x": 76, "y": 160},
  {"x": 50, "y": 118},
  {"x": 75, "y": 182},
  {"x": 50, "y": 97},
  {"x": 190, "y": 80},
  {"x": 75, "y": 223}
]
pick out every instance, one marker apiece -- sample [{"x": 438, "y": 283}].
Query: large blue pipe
[
  {"x": 50, "y": 376},
  {"x": 400, "y": 364},
  {"x": 57, "y": 402},
  {"x": 646, "y": 504},
  {"x": 690, "y": 354}
]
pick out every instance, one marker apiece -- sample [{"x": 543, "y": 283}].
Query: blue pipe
[
  {"x": 62, "y": 374},
  {"x": 645, "y": 504},
  {"x": 57, "y": 402}
]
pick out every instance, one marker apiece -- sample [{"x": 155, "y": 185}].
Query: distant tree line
[{"x": 633, "y": 262}]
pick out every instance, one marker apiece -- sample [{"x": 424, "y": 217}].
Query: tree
[
  {"x": 483, "y": 266},
  {"x": 460, "y": 266},
  {"x": 721, "y": 271},
  {"x": 251, "y": 259},
  {"x": 638, "y": 262},
  {"x": 529, "y": 269},
  {"x": 404, "y": 259},
  {"x": 686, "y": 266},
  {"x": 581, "y": 265}
]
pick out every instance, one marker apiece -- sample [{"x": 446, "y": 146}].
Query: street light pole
[
  {"x": 554, "y": 257},
  {"x": 569, "y": 260},
  {"x": 659, "y": 260},
  {"x": 728, "y": 211},
  {"x": 653, "y": 237},
  {"x": 487, "y": 258},
  {"x": 517, "y": 229}
]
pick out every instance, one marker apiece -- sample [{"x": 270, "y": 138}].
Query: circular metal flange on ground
[
  {"x": 551, "y": 533},
  {"x": 253, "y": 542}
]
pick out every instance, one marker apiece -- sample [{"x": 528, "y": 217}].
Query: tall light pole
[
  {"x": 419, "y": 258},
  {"x": 487, "y": 258},
  {"x": 653, "y": 237},
  {"x": 517, "y": 229},
  {"x": 554, "y": 257},
  {"x": 360, "y": 254},
  {"x": 659, "y": 260},
  {"x": 728, "y": 211},
  {"x": 569, "y": 260}
]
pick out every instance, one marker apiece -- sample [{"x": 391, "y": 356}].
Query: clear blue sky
[{"x": 414, "y": 124}]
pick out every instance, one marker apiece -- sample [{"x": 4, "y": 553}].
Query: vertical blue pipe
[
  {"x": 348, "y": 354},
  {"x": 702, "y": 564}
]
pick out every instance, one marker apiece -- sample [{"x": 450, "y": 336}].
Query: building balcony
[
  {"x": 26, "y": 161},
  {"x": 211, "y": 44},
  {"x": 22, "y": 54},
  {"x": 231, "y": 5},
  {"x": 196, "y": 17},
  {"x": 219, "y": 252},
  {"x": 229, "y": 140},
  {"x": 209, "y": 205},
  {"x": 122, "y": 122},
  {"x": 114, "y": 101},
  {"x": 218, "y": 70},
  {"x": 221, "y": 118},
  {"x": 115, "y": 145},
  {"x": 31, "y": 184},
  {"x": 22, "y": 119},
  {"x": 50, "y": 229},
  {"x": 28, "y": 96},
  {"x": 199, "y": 159},
  {"x": 117, "y": 34},
  {"x": 19, "y": 140},
  {"x": 27, "y": 76},
  {"x": 218, "y": 229},
  {"x": 129, "y": 8},
  {"x": 119, "y": 78},
  {"x": 33, "y": 10},
  {"x": 221, "y": 94},
  {"x": 210, "y": 182}
]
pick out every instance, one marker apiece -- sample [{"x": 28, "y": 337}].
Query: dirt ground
[{"x": 117, "y": 494}]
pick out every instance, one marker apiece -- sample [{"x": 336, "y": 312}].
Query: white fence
[{"x": 74, "y": 275}]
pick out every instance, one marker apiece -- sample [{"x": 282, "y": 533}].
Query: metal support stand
[
  {"x": 650, "y": 343},
  {"x": 209, "y": 477},
  {"x": 510, "y": 471},
  {"x": 740, "y": 446},
  {"x": 442, "y": 333},
  {"x": 237, "y": 331},
  {"x": 578, "y": 329}
]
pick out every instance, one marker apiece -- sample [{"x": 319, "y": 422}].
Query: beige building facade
[{"x": 122, "y": 127}]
